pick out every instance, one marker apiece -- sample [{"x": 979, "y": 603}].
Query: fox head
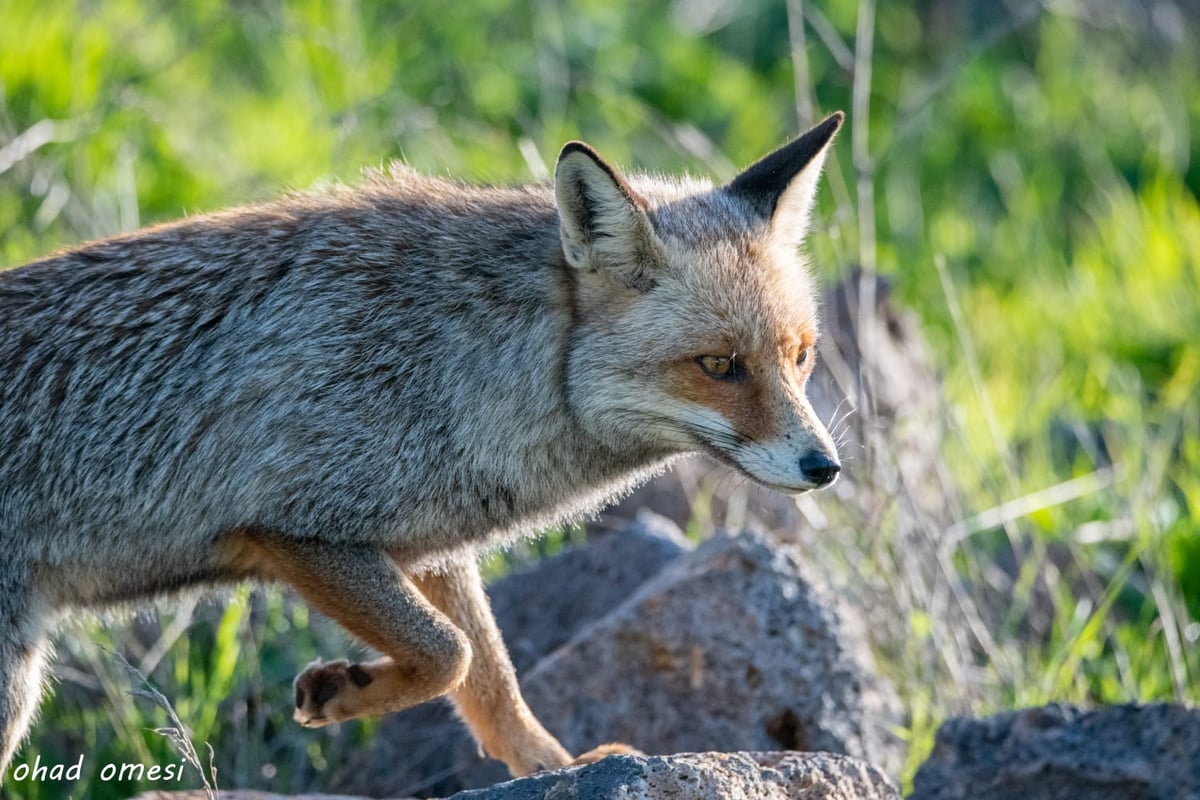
[{"x": 695, "y": 315}]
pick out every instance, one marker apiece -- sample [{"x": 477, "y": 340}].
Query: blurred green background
[{"x": 1024, "y": 172}]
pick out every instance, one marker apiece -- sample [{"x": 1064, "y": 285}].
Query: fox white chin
[
  {"x": 822, "y": 469},
  {"x": 792, "y": 484},
  {"x": 793, "y": 489}
]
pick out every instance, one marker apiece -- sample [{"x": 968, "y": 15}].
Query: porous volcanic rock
[
  {"x": 688, "y": 776},
  {"x": 1059, "y": 752},
  {"x": 730, "y": 648}
]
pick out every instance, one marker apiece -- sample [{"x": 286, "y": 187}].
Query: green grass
[{"x": 1034, "y": 200}]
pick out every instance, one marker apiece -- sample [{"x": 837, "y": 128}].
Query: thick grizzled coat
[{"x": 386, "y": 364}]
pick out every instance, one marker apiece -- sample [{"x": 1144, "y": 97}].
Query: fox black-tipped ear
[
  {"x": 602, "y": 220},
  {"x": 782, "y": 186}
]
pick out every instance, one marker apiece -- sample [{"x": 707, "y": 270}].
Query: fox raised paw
[{"x": 329, "y": 692}]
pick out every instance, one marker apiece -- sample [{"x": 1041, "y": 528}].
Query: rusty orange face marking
[{"x": 744, "y": 405}]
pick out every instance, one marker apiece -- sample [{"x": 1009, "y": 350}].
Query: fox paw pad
[{"x": 320, "y": 685}]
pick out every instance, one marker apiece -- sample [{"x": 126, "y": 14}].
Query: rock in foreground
[
  {"x": 689, "y": 776},
  {"x": 730, "y": 648},
  {"x": 1055, "y": 752},
  {"x": 704, "y": 776}
]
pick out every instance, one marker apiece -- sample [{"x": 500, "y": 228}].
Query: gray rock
[
  {"x": 703, "y": 776},
  {"x": 689, "y": 776},
  {"x": 1126, "y": 752},
  {"x": 730, "y": 648},
  {"x": 540, "y": 608}
]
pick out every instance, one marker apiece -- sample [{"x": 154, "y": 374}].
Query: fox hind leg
[{"x": 24, "y": 646}]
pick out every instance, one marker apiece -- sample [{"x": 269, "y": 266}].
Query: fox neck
[
  {"x": 534, "y": 459},
  {"x": 559, "y": 465}
]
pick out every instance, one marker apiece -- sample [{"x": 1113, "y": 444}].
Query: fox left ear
[
  {"x": 782, "y": 187},
  {"x": 603, "y": 221}
]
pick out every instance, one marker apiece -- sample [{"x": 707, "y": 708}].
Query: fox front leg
[
  {"x": 489, "y": 699},
  {"x": 363, "y": 590}
]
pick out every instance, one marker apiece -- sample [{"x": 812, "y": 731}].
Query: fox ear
[
  {"x": 781, "y": 187},
  {"x": 602, "y": 221}
]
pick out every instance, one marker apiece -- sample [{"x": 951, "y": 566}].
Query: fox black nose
[{"x": 820, "y": 468}]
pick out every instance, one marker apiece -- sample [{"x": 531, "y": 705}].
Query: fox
[{"x": 357, "y": 391}]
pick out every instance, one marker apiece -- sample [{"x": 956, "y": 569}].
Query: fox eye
[
  {"x": 723, "y": 368},
  {"x": 802, "y": 359}
]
